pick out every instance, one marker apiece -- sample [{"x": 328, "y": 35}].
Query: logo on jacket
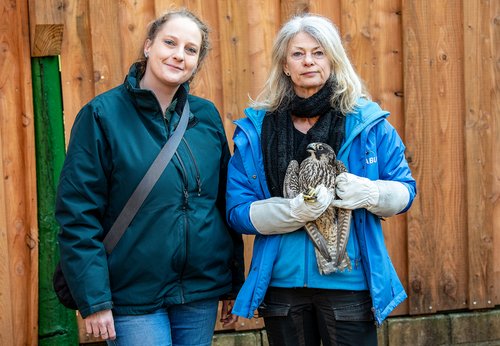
[{"x": 371, "y": 160}]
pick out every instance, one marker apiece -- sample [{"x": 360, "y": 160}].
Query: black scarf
[{"x": 278, "y": 133}]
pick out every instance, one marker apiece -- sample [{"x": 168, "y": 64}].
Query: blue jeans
[{"x": 182, "y": 325}]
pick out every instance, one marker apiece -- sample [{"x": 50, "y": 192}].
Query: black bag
[
  {"x": 131, "y": 207},
  {"x": 62, "y": 290}
]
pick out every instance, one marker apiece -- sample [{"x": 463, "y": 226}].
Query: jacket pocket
[
  {"x": 355, "y": 312},
  {"x": 273, "y": 309}
]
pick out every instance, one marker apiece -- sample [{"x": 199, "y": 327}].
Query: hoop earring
[{"x": 287, "y": 74}]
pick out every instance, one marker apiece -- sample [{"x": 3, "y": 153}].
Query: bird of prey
[{"x": 330, "y": 232}]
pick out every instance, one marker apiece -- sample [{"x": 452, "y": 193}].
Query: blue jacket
[{"x": 373, "y": 149}]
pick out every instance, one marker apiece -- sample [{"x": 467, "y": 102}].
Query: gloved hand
[
  {"x": 381, "y": 197},
  {"x": 305, "y": 211},
  {"x": 278, "y": 215}
]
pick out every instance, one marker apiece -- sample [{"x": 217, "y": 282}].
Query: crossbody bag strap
[{"x": 146, "y": 185}]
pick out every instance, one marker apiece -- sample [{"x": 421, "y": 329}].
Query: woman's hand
[
  {"x": 355, "y": 192},
  {"x": 226, "y": 315},
  {"x": 381, "y": 197},
  {"x": 101, "y": 324}
]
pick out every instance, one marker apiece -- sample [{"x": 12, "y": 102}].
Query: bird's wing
[
  {"x": 339, "y": 167},
  {"x": 318, "y": 240},
  {"x": 343, "y": 229},
  {"x": 291, "y": 183}
]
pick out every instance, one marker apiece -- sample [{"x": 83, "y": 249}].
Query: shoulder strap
[{"x": 146, "y": 185}]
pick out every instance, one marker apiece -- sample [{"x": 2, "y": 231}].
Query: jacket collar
[{"x": 145, "y": 100}]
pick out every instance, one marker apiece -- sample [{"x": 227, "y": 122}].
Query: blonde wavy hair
[{"x": 348, "y": 87}]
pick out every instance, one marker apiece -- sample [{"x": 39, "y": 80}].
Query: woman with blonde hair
[{"x": 313, "y": 95}]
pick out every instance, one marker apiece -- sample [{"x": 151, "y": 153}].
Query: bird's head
[{"x": 321, "y": 152}]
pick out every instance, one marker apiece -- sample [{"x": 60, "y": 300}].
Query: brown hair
[{"x": 155, "y": 26}]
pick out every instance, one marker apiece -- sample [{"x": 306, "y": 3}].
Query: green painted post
[{"x": 57, "y": 325}]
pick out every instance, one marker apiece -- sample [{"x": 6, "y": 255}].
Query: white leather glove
[
  {"x": 278, "y": 215},
  {"x": 381, "y": 197},
  {"x": 305, "y": 211}
]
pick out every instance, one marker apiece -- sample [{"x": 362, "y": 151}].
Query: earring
[
  {"x": 146, "y": 55},
  {"x": 288, "y": 74}
]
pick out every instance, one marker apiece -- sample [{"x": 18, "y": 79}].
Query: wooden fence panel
[
  {"x": 18, "y": 223},
  {"x": 494, "y": 21},
  {"x": 233, "y": 33},
  {"x": 263, "y": 24},
  {"x": 372, "y": 35},
  {"x": 133, "y": 18},
  {"x": 444, "y": 55},
  {"x": 208, "y": 82},
  {"x": 107, "y": 43},
  {"x": 482, "y": 106},
  {"x": 242, "y": 35},
  {"x": 434, "y": 112},
  {"x": 77, "y": 72}
]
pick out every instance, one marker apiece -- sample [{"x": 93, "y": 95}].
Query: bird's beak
[{"x": 311, "y": 148}]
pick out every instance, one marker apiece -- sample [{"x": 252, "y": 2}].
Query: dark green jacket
[{"x": 178, "y": 247}]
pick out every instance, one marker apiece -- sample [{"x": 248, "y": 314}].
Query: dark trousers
[{"x": 308, "y": 316}]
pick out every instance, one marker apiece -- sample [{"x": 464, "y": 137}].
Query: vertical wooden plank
[
  {"x": 235, "y": 46},
  {"x": 495, "y": 149},
  {"x": 482, "y": 104},
  {"x": 434, "y": 83},
  {"x": 28, "y": 170},
  {"x": 233, "y": 31},
  {"x": 371, "y": 31},
  {"x": 19, "y": 231},
  {"x": 330, "y": 9},
  {"x": 106, "y": 43},
  {"x": 6, "y": 308},
  {"x": 162, "y": 6},
  {"x": 77, "y": 76},
  {"x": 208, "y": 80},
  {"x": 289, "y": 8},
  {"x": 262, "y": 28},
  {"x": 133, "y": 18}
]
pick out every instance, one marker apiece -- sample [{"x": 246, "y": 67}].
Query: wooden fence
[{"x": 434, "y": 64}]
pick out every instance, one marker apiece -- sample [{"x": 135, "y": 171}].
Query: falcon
[{"x": 330, "y": 232}]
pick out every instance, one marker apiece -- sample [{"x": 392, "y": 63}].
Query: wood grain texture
[
  {"x": 433, "y": 65},
  {"x": 434, "y": 113},
  {"x": 330, "y": 9},
  {"x": 105, "y": 33},
  {"x": 372, "y": 36},
  {"x": 47, "y": 40},
  {"x": 77, "y": 76},
  {"x": 495, "y": 149},
  {"x": 19, "y": 231},
  {"x": 233, "y": 33},
  {"x": 208, "y": 79},
  {"x": 46, "y": 27},
  {"x": 133, "y": 19},
  {"x": 482, "y": 105},
  {"x": 262, "y": 28},
  {"x": 290, "y": 8}
]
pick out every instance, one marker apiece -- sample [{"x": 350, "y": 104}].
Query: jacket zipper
[
  {"x": 198, "y": 178},
  {"x": 184, "y": 210}
]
